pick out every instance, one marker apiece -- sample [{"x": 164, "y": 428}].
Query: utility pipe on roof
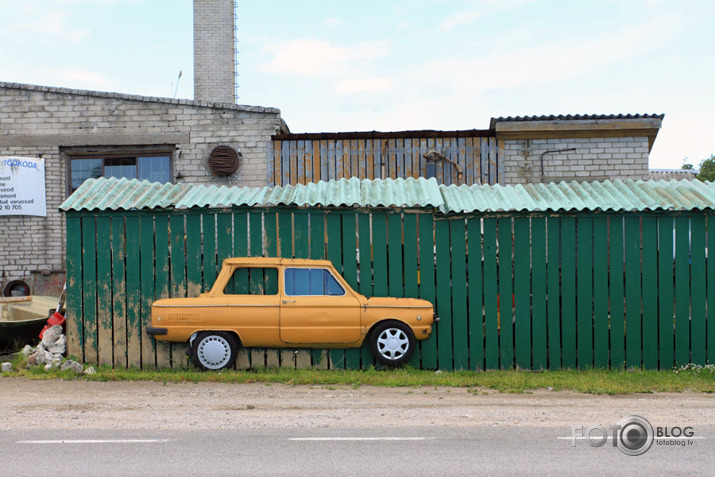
[{"x": 551, "y": 151}]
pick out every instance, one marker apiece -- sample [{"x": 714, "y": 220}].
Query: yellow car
[{"x": 278, "y": 303}]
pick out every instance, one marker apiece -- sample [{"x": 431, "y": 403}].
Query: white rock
[
  {"x": 59, "y": 346},
  {"x": 6, "y": 367},
  {"x": 72, "y": 365},
  {"x": 51, "y": 335},
  {"x": 42, "y": 356},
  {"x": 90, "y": 370},
  {"x": 27, "y": 350}
]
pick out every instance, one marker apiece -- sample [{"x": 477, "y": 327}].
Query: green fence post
[
  {"x": 105, "y": 343},
  {"x": 89, "y": 287},
  {"x": 698, "y": 330},
  {"x": 444, "y": 291},
  {"x": 618, "y": 319},
  {"x": 506, "y": 293},
  {"x": 711, "y": 292},
  {"x": 650, "y": 292},
  {"x": 425, "y": 223},
  {"x": 141, "y": 282},
  {"x": 553, "y": 291},
  {"x": 460, "y": 319},
  {"x": 682, "y": 290},
  {"x": 491, "y": 294},
  {"x": 568, "y": 291},
  {"x": 162, "y": 277},
  {"x": 522, "y": 292},
  {"x": 539, "y": 343},
  {"x": 584, "y": 293},
  {"x": 119, "y": 295},
  {"x": 666, "y": 279},
  {"x": 475, "y": 292},
  {"x": 75, "y": 288},
  {"x": 600, "y": 292}
]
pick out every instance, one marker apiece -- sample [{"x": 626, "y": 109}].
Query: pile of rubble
[{"x": 50, "y": 352}]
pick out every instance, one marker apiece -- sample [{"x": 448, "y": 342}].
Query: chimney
[{"x": 214, "y": 51}]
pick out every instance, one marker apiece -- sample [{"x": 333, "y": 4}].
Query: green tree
[
  {"x": 707, "y": 169},
  {"x": 686, "y": 165}
]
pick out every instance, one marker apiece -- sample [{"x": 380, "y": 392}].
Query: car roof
[{"x": 275, "y": 261}]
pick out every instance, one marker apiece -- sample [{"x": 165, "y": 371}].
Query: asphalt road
[{"x": 479, "y": 450}]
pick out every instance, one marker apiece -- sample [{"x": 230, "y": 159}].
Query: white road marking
[
  {"x": 359, "y": 438},
  {"x": 94, "y": 441},
  {"x": 582, "y": 438}
]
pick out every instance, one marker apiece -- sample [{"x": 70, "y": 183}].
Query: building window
[{"x": 152, "y": 168}]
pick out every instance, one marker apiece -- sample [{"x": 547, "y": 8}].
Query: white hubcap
[
  {"x": 393, "y": 343},
  {"x": 214, "y": 352}
]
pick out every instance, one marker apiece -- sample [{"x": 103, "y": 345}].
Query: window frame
[
  {"x": 285, "y": 279},
  {"x": 251, "y": 267},
  {"x": 104, "y": 153}
]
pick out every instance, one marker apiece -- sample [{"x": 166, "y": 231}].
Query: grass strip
[{"x": 593, "y": 381}]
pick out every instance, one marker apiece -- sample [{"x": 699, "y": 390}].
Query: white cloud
[
  {"x": 364, "y": 85},
  {"x": 80, "y": 78},
  {"x": 314, "y": 58},
  {"x": 546, "y": 62},
  {"x": 479, "y": 9}
]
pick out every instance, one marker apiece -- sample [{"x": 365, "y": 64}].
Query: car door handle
[{"x": 288, "y": 301}]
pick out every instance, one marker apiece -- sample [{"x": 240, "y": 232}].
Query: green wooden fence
[{"x": 525, "y": 291}]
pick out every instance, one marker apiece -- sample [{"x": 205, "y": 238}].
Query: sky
[{"x": 385, "y": 65}]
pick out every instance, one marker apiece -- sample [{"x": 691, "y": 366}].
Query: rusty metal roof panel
[{"x": 607, "y": 196}]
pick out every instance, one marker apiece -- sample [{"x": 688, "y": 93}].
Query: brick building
[{"x": 83, "y": 134}]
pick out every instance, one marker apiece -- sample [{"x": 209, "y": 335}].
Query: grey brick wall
[
  {"x": 48, "y": 122},
  {"x": 594, "y": 159},
  {"x": 214, "y": 51}
]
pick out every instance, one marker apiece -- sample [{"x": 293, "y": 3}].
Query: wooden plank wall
[
  {"x": 293, "y": 161},
  {"x": 530, "y": 292}
]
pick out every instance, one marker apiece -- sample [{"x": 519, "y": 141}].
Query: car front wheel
[
  {"x": 214, "y": 350},
  {"x": 392, "y": 343}
]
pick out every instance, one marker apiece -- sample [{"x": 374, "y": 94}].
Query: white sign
[{"x": 22, "y": 186}]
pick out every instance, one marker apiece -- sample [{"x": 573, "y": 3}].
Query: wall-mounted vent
[{"x": 223, "y": 161}]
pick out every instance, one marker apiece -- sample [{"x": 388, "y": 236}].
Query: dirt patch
[{"x": 26, "y": 404}]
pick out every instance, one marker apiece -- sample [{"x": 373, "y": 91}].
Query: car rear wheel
[
  {"x": 214, "y": 350},
  {"x": 392, "y": 343}
]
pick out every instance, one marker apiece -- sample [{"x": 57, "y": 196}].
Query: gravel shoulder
[{"x": 55, "y": 404}]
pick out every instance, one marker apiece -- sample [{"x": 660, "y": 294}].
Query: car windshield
[{"x": 311, "y": 281}]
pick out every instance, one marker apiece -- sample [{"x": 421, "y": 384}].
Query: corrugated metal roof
[
  {"x": 116, "y": 194},
  {"x": 575, "y": 117},
  {"x": 617, "y": 196}
]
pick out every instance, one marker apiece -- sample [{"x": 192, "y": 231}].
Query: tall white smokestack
[{"x": 214, "y": 51}]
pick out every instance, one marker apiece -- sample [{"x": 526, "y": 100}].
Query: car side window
[
  {"x": 253, "y": 281},
  {"x": 311, "y": 281}
]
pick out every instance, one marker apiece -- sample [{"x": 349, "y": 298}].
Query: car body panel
[{"x": 278, "y": 319}]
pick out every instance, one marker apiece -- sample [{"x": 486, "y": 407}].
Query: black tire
[
  {"x": 392, "y": 343},
  {"x": 214, "y": 350}
]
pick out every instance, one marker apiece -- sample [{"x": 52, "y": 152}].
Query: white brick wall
[
  {"x": 594, "y": 159},
  {"x": 44, "y": 121}
]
